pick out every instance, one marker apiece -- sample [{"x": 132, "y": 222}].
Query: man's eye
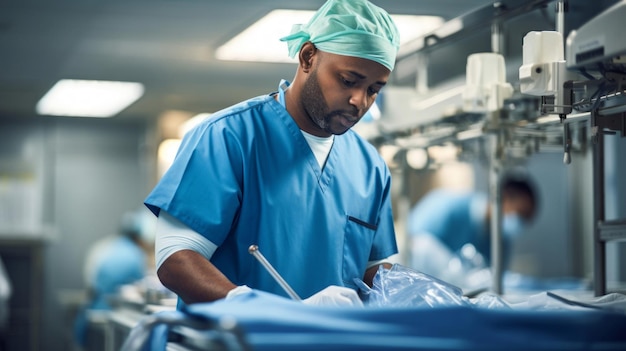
[{"x": 347, "y": 82}]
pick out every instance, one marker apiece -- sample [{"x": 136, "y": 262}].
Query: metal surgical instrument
[{"x": 254, "y": 251}]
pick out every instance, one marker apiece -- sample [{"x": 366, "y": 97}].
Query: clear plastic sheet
[
  {"x": 490, "y": 301},
  {"x": 401, "y": 286}
]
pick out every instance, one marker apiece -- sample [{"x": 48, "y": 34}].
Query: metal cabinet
[{"x": 23, "y": 260}]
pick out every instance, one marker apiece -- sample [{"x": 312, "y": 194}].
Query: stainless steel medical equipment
[{"x": 254, "y": 251}]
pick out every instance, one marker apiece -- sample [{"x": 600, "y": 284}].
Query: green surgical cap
[{"x": 351, "y": 28}]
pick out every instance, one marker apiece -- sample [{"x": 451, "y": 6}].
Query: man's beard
[{"x": 316, "y": 108}]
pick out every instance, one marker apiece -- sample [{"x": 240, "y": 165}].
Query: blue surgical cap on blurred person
[
  {"x": 354, "y": 28},
  {"x": 139, "y": 224}
]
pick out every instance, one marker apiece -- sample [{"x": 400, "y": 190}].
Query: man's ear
[{"x": 307, "y": 52}]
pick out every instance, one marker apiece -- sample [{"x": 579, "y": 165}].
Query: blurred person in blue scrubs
[
  {"x": 449, "y": 230},
  {"x": 114, "y": 261},
  {"x": 285, "y": 172}
]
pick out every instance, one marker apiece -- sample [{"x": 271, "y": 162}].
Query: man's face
[
  {"x": 521, "y": 205},
  {"x": 339, "y": 90}
]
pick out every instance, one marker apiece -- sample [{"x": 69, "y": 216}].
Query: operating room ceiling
[{"x": 168, "y": 45}]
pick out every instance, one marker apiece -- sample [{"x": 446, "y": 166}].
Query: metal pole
[
  {"x": 497, "y": 35},
  {"x": 497, "y": 38},
  {"x": 599, "y": 265},
  {"x": 561, "y": 8},
  {"x": 254, "y": 251},
  {"x": 495, "y": 204}
]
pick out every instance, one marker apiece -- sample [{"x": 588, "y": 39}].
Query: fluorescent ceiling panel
[
  {"x": 260, "y": 42},
  {"x": 88, "y": 98}
]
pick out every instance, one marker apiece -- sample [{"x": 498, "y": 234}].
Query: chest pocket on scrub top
[{"x": 357, "y": 244}]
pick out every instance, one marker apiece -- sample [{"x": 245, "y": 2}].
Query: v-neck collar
[{"x": 322, "y": 174}]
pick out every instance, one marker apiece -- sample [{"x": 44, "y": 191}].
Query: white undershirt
[{"x": 320, "y": 146}]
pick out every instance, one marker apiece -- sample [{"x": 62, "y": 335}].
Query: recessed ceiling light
[
  {"x": 260, "y": 42},
  {"x": 88, "y": 98}
]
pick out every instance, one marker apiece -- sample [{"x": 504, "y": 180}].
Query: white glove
[
  {"x": 240, "y": 290},
  {"x": 334, "y": 295}
]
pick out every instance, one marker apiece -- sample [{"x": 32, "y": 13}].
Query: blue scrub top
[
  {"x": 247, "y": 176},
  {"x": 448, "y": 216}
]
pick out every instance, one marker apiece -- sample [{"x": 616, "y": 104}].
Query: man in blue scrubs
[{"x": 285, "y": 172}]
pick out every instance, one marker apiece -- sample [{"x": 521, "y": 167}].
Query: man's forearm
[
  {"x": 368, "y": 278},
  {"x": 193, "y": 278}
]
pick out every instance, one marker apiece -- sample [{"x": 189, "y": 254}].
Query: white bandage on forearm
[{"x": 173, "y": 236}]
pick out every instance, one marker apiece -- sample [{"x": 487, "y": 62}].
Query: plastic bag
[
  {"x": 401, "y": 286},
  {"x": 490, "y": 301}
]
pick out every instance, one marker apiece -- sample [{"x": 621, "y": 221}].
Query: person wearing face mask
[{"x": 449, "y": 231}]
